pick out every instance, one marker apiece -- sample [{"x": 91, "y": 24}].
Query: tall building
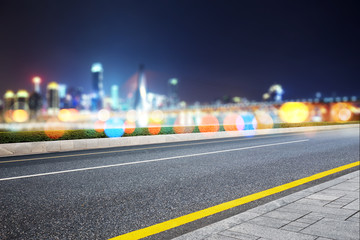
[
  {"x": 9, "y": 100},
  {"x": 36, "y": 81},
  {"x": 52, "y": 98},
  {"x": 97, "y": 86},
  {"x": 22, "y": 100},
  {"x": 114, "y": 97},
  {"x": 173, "y": 92},
  {"x": 140, "y": 102}
]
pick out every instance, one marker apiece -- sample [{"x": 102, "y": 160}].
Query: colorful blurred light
[
  {"x": 344, "y": 114},
  {"x": 154, "y": 128},
  {"x": 264, "y": 120},
  {"x": 294, "y": 112},
  {"x": 129, "y": 127},
  {"x": 229, "y": 122},
  {"x": 240, "y": 124},
  {"x": 103, "y": 115},
  {"x": 20, "y": 115},
  {"x": 157, "y": 116},
  {"x": 131, "y": 116},
  {"x": 114, "y": 127},
  {"x": 250, "y": 122},
  {"x": 209, "y": 123},
  {"x": 64, "y": 115},
  {"x": 54, "y": 129},
  {"x": 99, "y": 126}
]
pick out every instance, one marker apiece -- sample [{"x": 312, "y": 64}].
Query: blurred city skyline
[{"x": 214, "y": 49}]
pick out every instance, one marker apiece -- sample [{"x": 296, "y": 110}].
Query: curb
[{"x": 16, "y": 149}]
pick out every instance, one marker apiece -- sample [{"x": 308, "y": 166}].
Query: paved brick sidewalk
[{"x": 327, "y": 211}]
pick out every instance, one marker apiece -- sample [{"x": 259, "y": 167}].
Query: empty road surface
[{"x": 104, "y": 193}]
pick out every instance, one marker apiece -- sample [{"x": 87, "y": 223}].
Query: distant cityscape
[{"x": 21, "y": 110}]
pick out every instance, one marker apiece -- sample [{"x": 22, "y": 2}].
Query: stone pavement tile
[
  {"x": 325, "y": 212},
  {"x": 218, "y": 237},
  {"x": 298, "y": 224},
  {"x": 270, "y": 233},
  {"x": 270, "y": 222},
  {"x": 353, "y": 205},
  {"x": 238, "y": 235},
  {"x": 334, "y": 229},
  {"x": 316, "y": 202},
  {"x": 322, "y": 238},
  {"x": 218, "y": 226},
  {"x": 354, "y": 218},
  {"x": 291, "y": 228},
  {"x": 334, "y": 205},
  {"x": 321, "y": 196},
  {"x": 267, "y": 207},
  {"x": 284, "y": 215},
  {"x": 336, "y": 192},
  {"x": 347, "y": 186}
]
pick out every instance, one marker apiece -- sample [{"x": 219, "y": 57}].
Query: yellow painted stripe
[
  {"x": 161, "y": 227},
  {"x": 146, "y": 148}
]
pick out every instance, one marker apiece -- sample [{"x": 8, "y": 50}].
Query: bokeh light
[
  {"x": 240, "y": 124},
  {"x": 264, "y": 120},
  {"x": 54, "y": 129},
  {"x": 20, "y": 116},
  {"x": 294, "y": 112},
  {"x": 229, "y": 122},
  {"x": 184, "y": 123},
  {"x": 344, "y": 114},
  {"x": 131, "y": 116},
  {"x": 64, "y": 115},
  {"x": 341, "y": 112},
  {"x": 103, "y": 115},
  {"x": 114, "y": 127},
  {"x": 154, "y": 128},
  {"x": 209, "y": 123},
  {"x": 129, "y": 127},
  {"x": 99, "y": 126},
  {"x": 250, "y": 122},
  {"x": 157, "y": 116}
]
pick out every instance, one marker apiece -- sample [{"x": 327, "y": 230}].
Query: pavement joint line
[
  {"x": 151, "y": 160},
  {"x": 176, "y": 222},
  {"x": 148, "y": 148}
]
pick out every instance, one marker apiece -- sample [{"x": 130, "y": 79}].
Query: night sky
[{"x": 214, "y": 48}]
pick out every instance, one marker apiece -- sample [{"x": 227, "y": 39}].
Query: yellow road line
[
  {"x": 139, "y": 149},
  {"x": 161, "y": 227}
]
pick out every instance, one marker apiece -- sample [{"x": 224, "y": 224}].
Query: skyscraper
[
  {"x": 173, "y": 92},
  {"x": 52, "y": 97},
  {"x": 140, "y": 102},
  {"x": 97, "y": 85},
  {"x": 114, "y": 97}
]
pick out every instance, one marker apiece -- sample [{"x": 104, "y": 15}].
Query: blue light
[{"x": 114, "y": 127}]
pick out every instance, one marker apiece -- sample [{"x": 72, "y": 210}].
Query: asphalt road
[{"x": 108, "y": 192}]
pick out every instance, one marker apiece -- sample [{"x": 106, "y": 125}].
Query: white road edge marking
[{"x": 151, "y": 160}]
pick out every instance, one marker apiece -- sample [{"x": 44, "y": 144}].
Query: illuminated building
[
  {"x": 173, "y": 92},
  {"x": 114, "y": 97},
  {"x": 52, "y": 97},
  {"x": 97, "y": 86},
  {"x": 9, "y": 100},
  {"x": 140, "y": 102},
  {"x": 36, "y": 81},
  {"x": 21, "y": 101}
]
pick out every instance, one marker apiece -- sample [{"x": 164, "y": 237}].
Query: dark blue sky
[{"x": 215, "y": 48}]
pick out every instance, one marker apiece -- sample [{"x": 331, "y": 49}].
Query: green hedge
[{"x": 37, "y": 136}]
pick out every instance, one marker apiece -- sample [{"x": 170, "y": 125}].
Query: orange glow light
[
  {"x": 20, "y": 116},
  {"x": 209, "y": 123},
  {"x": 230, "y": 122},
  {"x": 294, "y": 112}
]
